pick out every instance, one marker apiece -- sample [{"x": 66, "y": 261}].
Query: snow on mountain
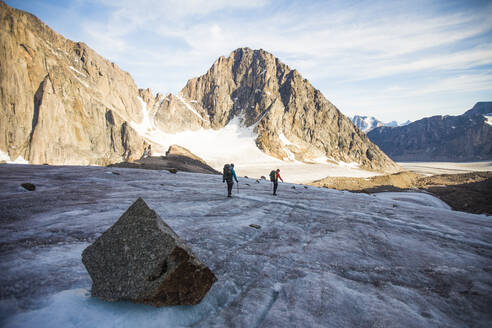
[
  {"x": 236, "y": 144},
  {"x": 368, "y": 123},
  {"x": 321, "y": 257},
  {"x": 488, "y": 118}
]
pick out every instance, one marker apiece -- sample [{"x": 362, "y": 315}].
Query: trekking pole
[{"x": 237, "y": 187}]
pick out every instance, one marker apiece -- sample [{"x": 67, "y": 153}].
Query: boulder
[{"x": 141, "y": 259}]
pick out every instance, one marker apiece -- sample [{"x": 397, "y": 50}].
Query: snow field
[
  {"x": 321, "y": 258},
  {"x": 236, "y": 144}
]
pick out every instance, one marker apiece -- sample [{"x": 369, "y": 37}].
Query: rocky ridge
[{"x": 466, "y": 137}]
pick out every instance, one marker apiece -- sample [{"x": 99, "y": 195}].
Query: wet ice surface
[{"x": 322, "y": 258}]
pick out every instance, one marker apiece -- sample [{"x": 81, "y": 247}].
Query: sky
[{"x": 395, "y": 60}]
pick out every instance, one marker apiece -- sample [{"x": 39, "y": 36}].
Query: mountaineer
[
  {"x": 274, "y": 176},
  {"x": 227, "y": 175}
]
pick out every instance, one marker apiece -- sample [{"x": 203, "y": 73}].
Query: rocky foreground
[{"x": 310, "y": 257}]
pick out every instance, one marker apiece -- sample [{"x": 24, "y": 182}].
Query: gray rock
[{"x": 141, "y": 259}]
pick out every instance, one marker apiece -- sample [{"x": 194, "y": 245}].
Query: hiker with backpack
[
  {"x": 227, "y": 175},
  {"x": 274, "y": 176}
]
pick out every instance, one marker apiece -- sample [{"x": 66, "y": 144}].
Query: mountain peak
[{"x": 279, "y": 104}]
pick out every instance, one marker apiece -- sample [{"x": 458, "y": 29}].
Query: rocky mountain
[
  {"x": 291, "y": 118},
  {"x": 368, "y": 123},
  {"x": 64, "y": 104},
  {"x": 60, "y": 102},
  {"x": 466, "y": 137},
  {"x": 481, "y": 108}
]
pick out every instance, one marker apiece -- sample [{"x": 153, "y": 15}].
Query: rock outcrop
[
  {"x": 292, "y": 119},
  {"x": 60, "y": 102},
  {"x": 178, "y": 151},
  {"x": 466, "y": 137},
  {"x": 141, "y": 259}
]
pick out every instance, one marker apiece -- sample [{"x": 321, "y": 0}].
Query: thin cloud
[{"x": 412, "y": 48}]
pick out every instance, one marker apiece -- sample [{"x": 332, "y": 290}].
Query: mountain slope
[
  {"x": 292, "y": 119},
  {"x": 64, "y": 104},
  {"x": 60, "y": 102},
  {"x": 466, "y": 137}
]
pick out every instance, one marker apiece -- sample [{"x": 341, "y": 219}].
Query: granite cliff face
[
  {"x": 466, "y": 137},
  {"x": 60, "y": 102},
  {"x": 292, "y": 119}
]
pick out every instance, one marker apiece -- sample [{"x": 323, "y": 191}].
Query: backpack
[
  {"x": 273, "y": 176},
  {"x": 227, "y": 172}
]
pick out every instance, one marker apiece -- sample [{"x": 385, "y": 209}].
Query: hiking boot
[{"x": 229, "y": 196}]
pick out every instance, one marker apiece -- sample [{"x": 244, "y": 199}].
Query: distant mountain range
[
  {"x": 368, "y": 123},
  {"x": 62, "y": 103},
  {"x": 466, "y": 137}
]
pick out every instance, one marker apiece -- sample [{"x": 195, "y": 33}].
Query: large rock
[{"x": 141, "y": 259}]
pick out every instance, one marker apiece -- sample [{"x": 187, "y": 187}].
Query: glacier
[{"x": 322, "y": 258}]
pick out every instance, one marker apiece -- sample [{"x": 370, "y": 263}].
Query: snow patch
[
  {"x": 77, "y": 71},
  {"x": 284, "y": 140},
  {"x": 81, "y": 82},
  {"x": 147, "y": 126},
  {"x": 189, "y": 107},
  {"x": 5, "y": 157},
  {"x": 321, "y": 160},
  {"x": 488, "y": 118},
  {"x": 351, "y": 165}
]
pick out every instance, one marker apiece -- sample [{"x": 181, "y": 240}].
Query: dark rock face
[
  {"x": 466, "y": 137},
  {"x": 482, "y": 107},
  {"x": 141, "y": 259}
]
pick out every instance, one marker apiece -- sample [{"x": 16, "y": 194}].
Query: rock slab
[{"x": 141, "y": 259}]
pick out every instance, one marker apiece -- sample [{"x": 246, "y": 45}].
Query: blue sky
[{"x": 395, "y": 60}]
